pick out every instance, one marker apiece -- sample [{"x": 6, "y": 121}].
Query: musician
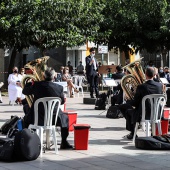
[
  {"x": 42, "y": 89},
  {"x": 118, "y": 97},
  {"x": 134, "y": 115},
  {"x": 119, "y": 73},
  {"x": 92, "y": 73}
]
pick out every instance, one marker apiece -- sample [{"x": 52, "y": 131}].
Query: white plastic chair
[
  {"x": 157, "y": 102},
  {"x": 78, "y": 81},
  {"x": 49, "y": 104}
]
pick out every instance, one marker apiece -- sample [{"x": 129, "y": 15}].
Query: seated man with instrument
[
  {"x": 134, "y": 115},
  {"x": 118, "y": 97},
  {"x": 47, "y": 88}
]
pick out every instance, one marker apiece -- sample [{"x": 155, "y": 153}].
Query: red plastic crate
[
  {"x": 166, "y": 113},
  {"x": 164, "y": 127},
  {"x": 72, "y": 115}
]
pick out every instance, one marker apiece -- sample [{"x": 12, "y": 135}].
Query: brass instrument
[
  {"x": 37, "y": 66},
  {"x": 130, "y": 82}
]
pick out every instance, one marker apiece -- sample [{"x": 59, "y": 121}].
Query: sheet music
[
  {"x": 110, "y": 82},
  {"x": 164, "y": 80},
  {"x": 64, "y": 84}
]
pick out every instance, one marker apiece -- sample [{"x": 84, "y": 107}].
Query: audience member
[
  {"x": 14, "y": 86},
  {"x": 160, "y": 70},
  {"x": 80, "y": 68},
  {"x": 134, "y": 115},
  {"x": 42, "y": 89},
  {"x": 165, "y": 74},
  {"x": 70, "y": 68},
  {"x": 67, "y": 77}
]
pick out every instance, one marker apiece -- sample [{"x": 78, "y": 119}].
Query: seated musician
[
  {"x": 67, "y": 77},
  {"x": 42, "y": 89},
  {"x": 133, "y": 115},
  {"x": 118, "y": 96}
]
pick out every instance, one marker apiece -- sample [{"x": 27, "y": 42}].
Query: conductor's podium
[{"x": 89, "y": 100}]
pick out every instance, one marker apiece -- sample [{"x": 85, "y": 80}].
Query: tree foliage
[
  {"x": 49, "y": 23},
  {"x": 139, "y": 23}
]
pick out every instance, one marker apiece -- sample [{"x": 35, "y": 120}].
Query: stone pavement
[{"x": 107, "y": 147}]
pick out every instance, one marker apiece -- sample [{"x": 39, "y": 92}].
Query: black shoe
[
  {"x": 66, "y": 145},
  {"x": 130, "y": 136},
  {"x": 1, "y": 101}
]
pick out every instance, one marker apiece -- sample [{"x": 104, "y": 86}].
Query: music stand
[{"x": 110, "y": 83}]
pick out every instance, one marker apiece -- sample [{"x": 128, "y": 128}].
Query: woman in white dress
[{"x": 14, "y": 86}]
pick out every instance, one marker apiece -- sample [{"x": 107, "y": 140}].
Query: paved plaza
[{"x": 107, "y": 147}]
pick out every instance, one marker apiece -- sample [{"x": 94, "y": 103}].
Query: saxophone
[
  {"x": 130, "y": 82},
  {"x": 37, "y": 67}
]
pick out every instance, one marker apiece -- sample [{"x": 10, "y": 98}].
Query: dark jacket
[
  {"x": 149, "y": 87},
  {"x": 119, "y": 96},
  {"x": 44, "y": 89},
  {"x": 117, "y": 75},
  {"x": 163, "y": 75},
  {"x": 90, "y": 68}
]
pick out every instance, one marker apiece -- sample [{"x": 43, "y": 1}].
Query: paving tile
[
  {"x": 107, "y": 147},
  {"x": 144, "y": 165}
]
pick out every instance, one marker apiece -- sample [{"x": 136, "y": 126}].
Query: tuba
[
  {"x": 130, "y": 82},
  {"x": 36, "y": 69}
]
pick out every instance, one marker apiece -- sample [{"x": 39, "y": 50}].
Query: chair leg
[
  {"x": 55, "y": 140},
  {"x": 41, "y": 139},
  {"x": 48, "y": 132},
  {"x": 159, "y": 128},
  {"x": 153, "y": 129},
  {"x": 135, "y": 132},
  {"x": 147, "y": 129}
]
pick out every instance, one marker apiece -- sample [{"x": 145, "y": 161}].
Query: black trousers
[
  {"x": 63, "y": 124},
  {"x": 93, "y": 81},
  {"x": 128, "y": 113}
]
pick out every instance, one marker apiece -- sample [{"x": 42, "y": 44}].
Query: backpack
[
  {"x": 11, "y": 123},
  {"x": 100, "y": 103},
  {"x": 114, "y": 112},
  {"x": 27, "y": 145}
]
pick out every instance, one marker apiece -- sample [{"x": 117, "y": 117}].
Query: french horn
[{"x": 37, "y": 67}]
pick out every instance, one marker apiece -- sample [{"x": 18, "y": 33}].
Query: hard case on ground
[
  {"x": 152, "y": 143},
  {"x": 27, "y": 145},
  {"x": 6, "y": 149}
]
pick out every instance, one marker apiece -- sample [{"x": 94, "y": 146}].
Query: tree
[
  {"x": 48, "y": 23},
  {"x": 137, "y": 23}
]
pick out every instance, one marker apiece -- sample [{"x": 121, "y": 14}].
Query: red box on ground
[
  {"x": 164, "y": 127},
  {"x": 72, "y": 115},
  {"x": 81, "y": 136}
]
